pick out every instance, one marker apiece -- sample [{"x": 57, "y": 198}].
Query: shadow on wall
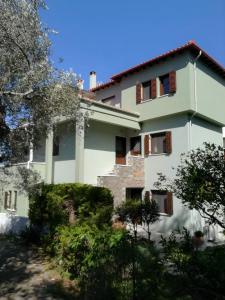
[
  {"x": 12, "y": 224},
  {"x": 185, "y": 218}
]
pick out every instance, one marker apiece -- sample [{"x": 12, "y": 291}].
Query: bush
[
  {"x": 94, "y": 257},
  {"x": 54, "y": 205}
]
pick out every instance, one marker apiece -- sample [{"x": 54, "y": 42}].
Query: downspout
[
  {"x": 195, "y": 100},
  {"x": 190, "y": 127}
]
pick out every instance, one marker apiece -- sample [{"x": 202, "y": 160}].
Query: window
[
  {"x": 134, "y": 193},
  {"x": 55, "y": 146},
  {"x": 168, "y": 83},
  {"x": 164, "y": 85},
  {"x": 135, "y": 145},
  {"x": 164, "y": 201},
  {"x": 108, "y": 100},
  {"x": 10, "y": 201},
  {"x": 15, "y": 200},
  {"x": 158, "y": 143},
  {"x": 146, "y": 90},
  {"x": 161, "y": 143}
]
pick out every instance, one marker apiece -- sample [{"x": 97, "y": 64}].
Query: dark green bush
[{"x": 51, "y": 205}]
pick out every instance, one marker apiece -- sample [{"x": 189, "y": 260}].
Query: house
[{"x": 139, "y": 124}]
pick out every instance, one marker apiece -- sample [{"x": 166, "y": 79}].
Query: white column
[
  {"x": 79, "y": 154},
  {"x": 49, "y": 158}
]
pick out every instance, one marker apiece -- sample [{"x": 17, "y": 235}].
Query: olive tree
[
  {"x": 200, "y": 182},
  {"x": 33, "y": 93}
]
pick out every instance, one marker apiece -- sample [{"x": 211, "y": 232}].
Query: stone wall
[{"x": 124, "y": 176}]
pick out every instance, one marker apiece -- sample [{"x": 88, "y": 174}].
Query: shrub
[{"x": 54, "y": 205}]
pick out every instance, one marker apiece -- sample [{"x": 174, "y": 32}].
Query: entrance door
[{"x": 120, "y": 150}]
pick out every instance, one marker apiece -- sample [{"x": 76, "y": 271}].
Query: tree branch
[
  {"x": 17, "y": 45},
  {"x": 17, "y": 94}
]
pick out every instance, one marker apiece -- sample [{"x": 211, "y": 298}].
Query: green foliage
[
  {"x": 51, "y": 205},
  {"x": 200, "y": 182},
  {"x": 137, "y": 212},
  {"x": 103, "y": 262},
  {"x": 130, "y": 211},
  {"x": 193, "y": 274}
]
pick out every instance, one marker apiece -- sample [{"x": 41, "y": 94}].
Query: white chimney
[
  {"x": 92, "y": 78},
  {"x": 80, "y": 84}
]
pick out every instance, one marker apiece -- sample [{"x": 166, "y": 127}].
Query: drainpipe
[
  {"x": 190, "y": 126},
  {"x": 195, "y": 100}
]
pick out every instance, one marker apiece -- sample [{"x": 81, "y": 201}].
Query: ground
[{"x": 26, "y": 274}]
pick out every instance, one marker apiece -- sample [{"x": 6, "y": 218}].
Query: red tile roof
[{"x": 191, "y": 45}]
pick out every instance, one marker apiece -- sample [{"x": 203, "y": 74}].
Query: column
[
  {"x": 49, "y": 158},
  {"x": 79, "y": 154}
]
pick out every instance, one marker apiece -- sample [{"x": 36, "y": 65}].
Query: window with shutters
[
  {"x": 164, "y": 84},
  {"x": 167, "y": 83},
  {"x": 10, "y": 200},
  {"x": 146, "y": 91},
  {"x": 164, "y": 201},
  {"x": 161, "y": 143},
  {"x": 135, "y": 145}
]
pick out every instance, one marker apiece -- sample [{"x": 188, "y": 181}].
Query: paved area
[{"x": 26, "y": 274}]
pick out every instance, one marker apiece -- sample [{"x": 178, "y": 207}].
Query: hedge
[{"x": 53, "y": 204}]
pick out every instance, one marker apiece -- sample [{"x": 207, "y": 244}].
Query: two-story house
[{"x": 140, "y": 122}]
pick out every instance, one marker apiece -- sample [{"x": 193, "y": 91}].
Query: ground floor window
[
  {"x": 10, "y": 200},
  {"x": 134, "y": 193},
  {"x": 164, "y": 201}
]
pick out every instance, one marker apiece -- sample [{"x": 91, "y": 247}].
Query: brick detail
[{"x": 122, "y": 177}]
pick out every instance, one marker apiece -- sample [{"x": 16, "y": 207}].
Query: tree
[
  {"x": 150, "y": 213},
  {"x": 33, "y": 93},
  {"x": 200, "y": 182}
]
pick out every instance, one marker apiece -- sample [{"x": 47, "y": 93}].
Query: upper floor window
[
  {"x": 164, "y": 84},
  {"x": 148, "y": 90},
  {"x": 135, "y": 145},
  {"x": 108, "y": 100}
]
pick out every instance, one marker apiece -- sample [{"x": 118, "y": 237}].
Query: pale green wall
[
  {"x": 64, "y": 164},
  {"x": 99, "y": 152},
  {"x": 162, "y": 163},
  {"x": 11, "y": 183},
  {"x": 204, "y": 131},
  {"x": 162, "y": 105},
  {"x": 210, "y": 93}
]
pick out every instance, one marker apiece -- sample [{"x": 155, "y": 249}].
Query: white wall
[
  {"x": 99, "y": 152},
  {"x": 12, "y": 223}
]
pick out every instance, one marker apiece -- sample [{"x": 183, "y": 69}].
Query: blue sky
[{"x": 110, "y": 36}]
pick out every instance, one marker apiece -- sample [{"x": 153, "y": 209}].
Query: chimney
[
  {"x": 80, "y": 84},
  {"x": 92, "y": 79}
]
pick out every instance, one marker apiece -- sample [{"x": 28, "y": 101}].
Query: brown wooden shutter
[
  {"x": 138, "y": 93},
  {"x": 153, "y": 89},
  {"x": 168, "y": 204},
  {"x": 146, "y": 145},
  {"x": 172, "y": 81},
  {"x": 168, "y": 141},
  {"x": 6, "y": 200}
]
